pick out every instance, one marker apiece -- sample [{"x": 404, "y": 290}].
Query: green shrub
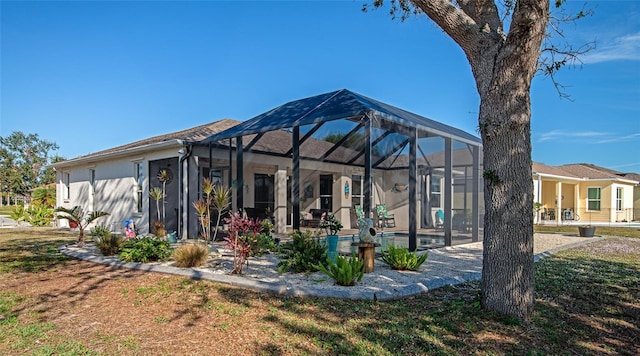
[
  {"x": 36, "y": 215},
  {"x": 261, "y": 244},
  {"x": 145, "y": 249},
  {"x": 108, "y": 243},
  {"x": 302, "y": 253},
  {"x": 191, "y": 255},
  {"x": 401, "y": 259},
  {"x": 100, "y": 230},
  {"x": 18, "y": 213},
  {"x": 345, "y": 271}
]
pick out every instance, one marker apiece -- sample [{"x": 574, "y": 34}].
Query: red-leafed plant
[{"x": 242, "y": 238}]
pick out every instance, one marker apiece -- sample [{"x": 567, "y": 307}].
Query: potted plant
[
  {"x": 332, "y": 226},
  {"x": 79, "y": 218},
  {"x": 587, "y": 230}
]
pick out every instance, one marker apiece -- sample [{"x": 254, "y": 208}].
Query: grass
[
  {"x": 6, "y": 210},
  {"x": 600, "y": 230},
  {"x": 587, "y": 303}
]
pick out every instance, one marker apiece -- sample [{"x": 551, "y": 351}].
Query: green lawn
[
  {"x": 587, "y": 303},
  {"x": 600, "y": 230}
]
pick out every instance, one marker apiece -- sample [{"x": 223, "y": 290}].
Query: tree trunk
[
  {"x": 503, "y": 65},
  {"x": 507, "y": 270}
]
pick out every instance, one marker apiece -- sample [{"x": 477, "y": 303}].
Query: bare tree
[{"x": 503, "y": 62}]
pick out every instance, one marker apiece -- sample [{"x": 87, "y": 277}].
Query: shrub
[
  {"x": 158, "y": 229},
  {"x": 261, "y": 244},
  {"x": 191, "y": 255},
  {"x": 36, "y": 215},
  {"x": 401, "y": 259},
  {"x": 100, "y": 230},
  {"x": 345, "y": 271},
  {"x": 301, "y": 253},
  {"x": 245, "y": 239},
  {"x": 108, "y": 243},
  {"x": 145, "y": 249}
]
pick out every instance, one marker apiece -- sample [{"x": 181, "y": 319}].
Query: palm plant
[
  {"x": 78, "y": 216},
  {"x": 164, "y": 176},
  {"x": 157, "y": 194},
  {"x": 221, "y": 198},
  {"x": 45, "y": 196},
  {"x": 201, "y": 209}
]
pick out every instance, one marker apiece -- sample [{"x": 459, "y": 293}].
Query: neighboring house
[
  {"x": 316, "y": 146},
  {"x": 585, "y": 191}
]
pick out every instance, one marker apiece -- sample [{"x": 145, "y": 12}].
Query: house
[
  {"x": 584, "y": 192},
  {"x": 332, "y": 151}
]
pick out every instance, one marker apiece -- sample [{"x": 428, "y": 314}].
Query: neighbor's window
[
  {"x": 619, "y": 199},
  {"x": 139, "y": 175},
  {"x": 593, "y": 199},
  {"x": 65, "y": 185}
]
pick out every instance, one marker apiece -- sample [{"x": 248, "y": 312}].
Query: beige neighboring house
[{"x": 586, "y": 193}]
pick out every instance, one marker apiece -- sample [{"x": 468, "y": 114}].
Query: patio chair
[
  {"x": 356, "y": 214},
  {"x": 384, "y": 218},
  {"x": 439, "y": 225}
]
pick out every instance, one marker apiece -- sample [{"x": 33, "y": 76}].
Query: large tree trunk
[
  {"x": 507, "y": 270},
  {"x": 503, "y": 65}
]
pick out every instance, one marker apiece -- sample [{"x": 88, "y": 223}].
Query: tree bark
[{"x": 503, "y": 67}]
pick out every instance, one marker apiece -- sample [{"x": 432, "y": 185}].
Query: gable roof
[
  {"x": 583, "y": 171},
  {"x": 340, "y": 104},
  {"x": 179, "y": 138}
]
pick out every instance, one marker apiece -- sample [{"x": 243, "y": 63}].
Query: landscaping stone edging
[{"x": 465, "y": 270}]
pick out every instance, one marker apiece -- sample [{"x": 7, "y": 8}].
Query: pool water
[{"x": 386, "y": 239}]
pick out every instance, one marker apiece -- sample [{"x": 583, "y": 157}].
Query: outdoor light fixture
[{"x": 181, "y": 151}]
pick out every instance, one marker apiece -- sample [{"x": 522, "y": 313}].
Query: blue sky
[{"x": 91, "y": 75}]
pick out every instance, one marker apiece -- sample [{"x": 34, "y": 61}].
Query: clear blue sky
[{"x": 92, "y": 75}]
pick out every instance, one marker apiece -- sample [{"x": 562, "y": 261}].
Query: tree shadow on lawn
[{"x": 585, "y": 305}]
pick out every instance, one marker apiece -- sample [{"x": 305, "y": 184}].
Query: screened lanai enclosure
[{"x": 347, "y": 154}]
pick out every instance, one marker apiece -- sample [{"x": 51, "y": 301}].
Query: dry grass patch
[{"x": 587, "y": 303}]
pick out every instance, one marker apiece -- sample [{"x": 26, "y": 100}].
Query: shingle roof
[
  {"x": 193, "y": 134},
  {"x": 591, "y": 171},
  {"x": 552, "y": 170},
  {"x": 583, "y": 171}
]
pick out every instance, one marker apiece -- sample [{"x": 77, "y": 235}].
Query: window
[
  {"x": 593, "y": 199},
  {"x": 65, "y": 186},
  {"x": 92, "y": 188},
  {"x": 435, "y": 191},
  {"x": 139, "y": 175},
  {"x": 618, "y": 199},
  {"x": 356, "y": 190}
]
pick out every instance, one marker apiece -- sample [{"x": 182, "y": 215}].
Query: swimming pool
[{"x": 397, "y": 239}]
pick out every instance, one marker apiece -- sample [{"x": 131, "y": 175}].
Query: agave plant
[
  {"x": 78, "y": 216},
  {"x": 400, "y": 258}
]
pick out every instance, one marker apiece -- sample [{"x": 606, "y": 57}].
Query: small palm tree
[
  {"x": 164, "y": 177},
  {"x": 157, "y": 194},
  {"x": 220, "y": 199},
  {"x": 201, "y": 209},
  {"x": 80, "y": 217}
]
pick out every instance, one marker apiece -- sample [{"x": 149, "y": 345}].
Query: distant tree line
[{"x": 23, "y": 161}]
